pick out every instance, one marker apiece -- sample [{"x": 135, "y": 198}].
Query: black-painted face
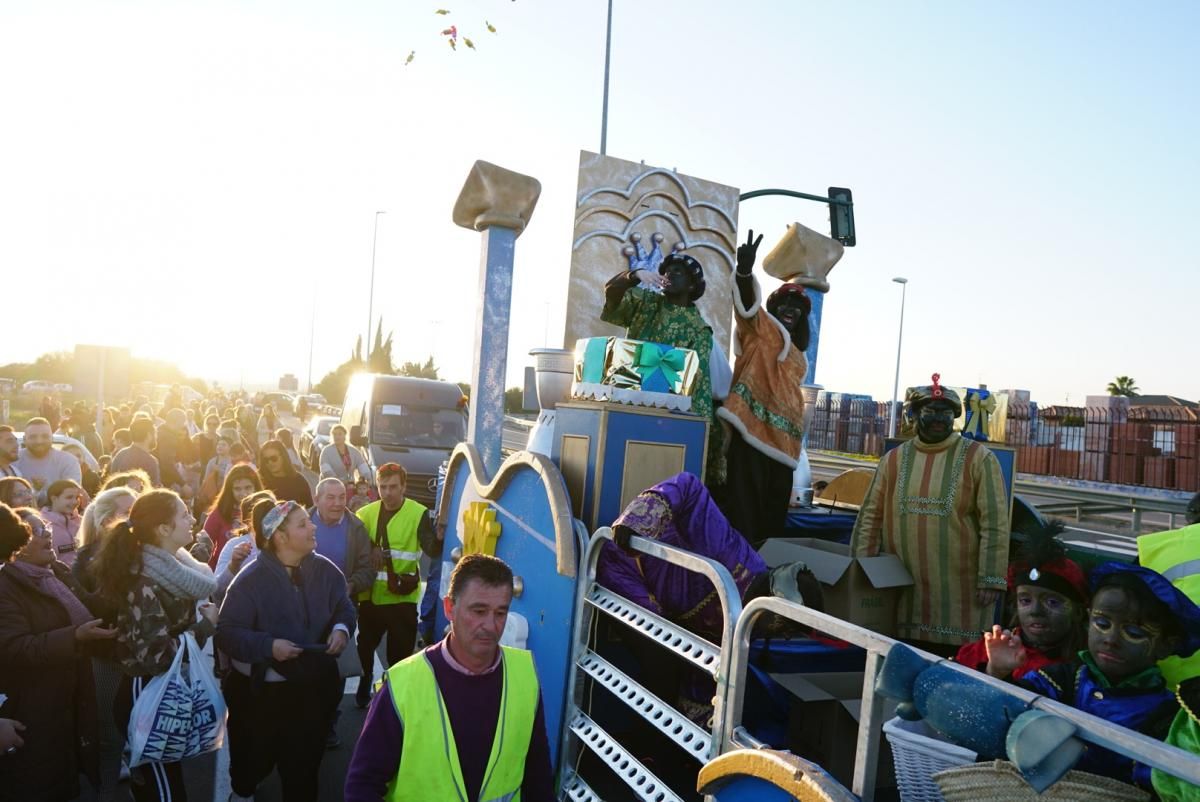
[
  {"x": 1046, "y": 617},
  {"x": 935, "y": 421},
  {"x": 1121, "y": 642},
  {"x": 790, "y": 313},
  {"x": 679, "y": 281}
]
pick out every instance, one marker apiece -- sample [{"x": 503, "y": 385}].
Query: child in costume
[
  {"x": 1137, "y": 618},
  {"x": 1185, "y": 734},
  {"x": 1050, "y": 594}
]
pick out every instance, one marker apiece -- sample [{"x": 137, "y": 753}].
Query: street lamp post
[
  {"x": 371, "y": 293},
  {"x": 903, "y": 282}
]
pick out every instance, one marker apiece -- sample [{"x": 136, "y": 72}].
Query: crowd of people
[{"x": 211, "y": 531}]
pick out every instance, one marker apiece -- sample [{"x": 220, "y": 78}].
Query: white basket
[{"x": 918, "y": 753}]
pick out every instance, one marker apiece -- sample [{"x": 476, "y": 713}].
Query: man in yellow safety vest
[
  {"x": 397, "y": 526},
  {"x": 462, "y": 719},
  {"x": 1176, "y": 555}
]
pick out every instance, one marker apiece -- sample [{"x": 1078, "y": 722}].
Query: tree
[
  {"x": 333, "y": 386},
  {"x": 1123, "y": 385},
  {"x": 514, "y": 400},
  {"x": 428, "y": 370}
]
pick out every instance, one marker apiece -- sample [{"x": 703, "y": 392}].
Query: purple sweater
[{"x": 473, "y": 705}]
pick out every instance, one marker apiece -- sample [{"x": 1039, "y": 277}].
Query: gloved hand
[{"x": 747, "y": 254}]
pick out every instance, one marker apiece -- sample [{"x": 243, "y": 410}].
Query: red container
[
  {"x": 1159, "y": 472},
  {"x": 1125, "y": 469},
  {"x": 1186, "y": 475},
  {"x": 1065, "y": 463}
]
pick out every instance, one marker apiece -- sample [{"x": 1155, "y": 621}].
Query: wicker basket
[
  {"x": 919, "y": 753},
  {"x": 999, "y": 781}
]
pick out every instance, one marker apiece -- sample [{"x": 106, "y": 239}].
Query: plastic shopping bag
[{"x": 180, "y": 713}]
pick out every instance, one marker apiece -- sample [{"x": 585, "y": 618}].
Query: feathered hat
[{"x": 1042, "y": 561}]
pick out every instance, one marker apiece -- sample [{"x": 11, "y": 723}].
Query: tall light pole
[
  {"x": 607, "y": 63},
  {"x": 312, "y": 332},
  {"x": 371, "y": 293},
  {"x": 903, "y": 282}
]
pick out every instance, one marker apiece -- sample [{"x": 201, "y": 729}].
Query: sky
[{"x": 199, "y": 181}]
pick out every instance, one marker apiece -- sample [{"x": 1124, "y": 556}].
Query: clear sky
[{"x": 191, "y": 179}]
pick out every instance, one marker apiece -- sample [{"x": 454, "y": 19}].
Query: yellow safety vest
[
  {"x": 1176, "y": 555},
  {"x": 429, "y": 766},
  {"x": 402, "y": 548}
]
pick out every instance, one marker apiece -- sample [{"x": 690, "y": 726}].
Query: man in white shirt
[{"x": 40, "y": 462}]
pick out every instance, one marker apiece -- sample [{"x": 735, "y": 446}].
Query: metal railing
[
  {"x": 1141, "y": 748},
  {"x": 713, "y": 659}
]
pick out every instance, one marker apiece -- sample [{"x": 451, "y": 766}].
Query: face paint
[
  {"x": 1121, "y": 643},
  {"x": 1046, "y": 617},
  {"x": 679, "y": 281},
  {"x": 935, "y": 421}
]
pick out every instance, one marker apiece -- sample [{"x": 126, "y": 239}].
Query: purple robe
[{"x": 679, "y": 512}]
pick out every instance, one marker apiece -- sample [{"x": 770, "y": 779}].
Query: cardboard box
[
  {"x": 823, "y": 723},
  {"x": 861, "y": 590}
]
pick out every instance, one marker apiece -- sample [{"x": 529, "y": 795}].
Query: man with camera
[{"x": 398, "y": 528}]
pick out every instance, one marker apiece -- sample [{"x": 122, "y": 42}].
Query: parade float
[{"x": 616, "y": 418}]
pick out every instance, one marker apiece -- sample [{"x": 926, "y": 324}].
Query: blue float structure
[{"x": 530, "y": 510}]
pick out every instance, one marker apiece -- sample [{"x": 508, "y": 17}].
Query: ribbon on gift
[
  {"x": 980, "y": 404},
  {"x": 595, "y": 357},
  {"x": 660, "y": 366}
]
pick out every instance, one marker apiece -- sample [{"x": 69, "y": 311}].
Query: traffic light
[{"x": 841, "y": 216}]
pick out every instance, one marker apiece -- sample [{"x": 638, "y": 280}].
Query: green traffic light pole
[{"x": 841, "y": 225}]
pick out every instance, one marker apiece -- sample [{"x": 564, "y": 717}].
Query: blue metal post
[
  {"x": 491, "y": 345},
  {"x": 814, "y": 341}
]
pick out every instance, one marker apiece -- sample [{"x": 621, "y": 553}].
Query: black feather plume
[{"x": 1041, "y": 545}]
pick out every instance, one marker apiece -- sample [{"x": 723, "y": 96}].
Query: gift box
[
  {"x": 636, "y": 365},
  {"x": 635, "y": 372}
]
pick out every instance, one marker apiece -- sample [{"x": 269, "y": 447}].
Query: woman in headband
[{"x": 285, "y": 619}]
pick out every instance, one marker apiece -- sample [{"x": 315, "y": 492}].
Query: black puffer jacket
[{"x": 48, "y": 680}]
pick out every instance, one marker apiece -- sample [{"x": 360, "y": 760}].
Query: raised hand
[
  {"x": 651, "y": 277},
  {"x": 1005, "y": 651},
  {"x": 747, "y": 253}
]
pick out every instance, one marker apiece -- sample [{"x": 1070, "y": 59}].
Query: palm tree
[{"x": 1123, "y": 385}]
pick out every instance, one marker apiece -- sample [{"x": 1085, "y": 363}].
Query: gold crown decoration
[
  {"x": 481, "y": 530},
  {"x": 804, "y": 256}
]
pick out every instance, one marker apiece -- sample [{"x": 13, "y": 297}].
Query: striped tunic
[{"x": 943, "y": 510}]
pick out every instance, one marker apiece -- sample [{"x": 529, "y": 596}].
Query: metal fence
[{"x": 1153, "y": 446}]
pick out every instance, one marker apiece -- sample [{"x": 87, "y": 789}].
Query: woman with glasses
[
  {"x": 45, "y": 637},
  {"x": 283, "y": 623},
  {"x": 16, "y": 491},
  {"x": 281, "y": 477}
]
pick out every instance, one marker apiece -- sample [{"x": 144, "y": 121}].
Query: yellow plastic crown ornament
[{"x": 481, "y": 530}]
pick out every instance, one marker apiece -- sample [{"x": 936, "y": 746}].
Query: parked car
[
  {"x": 63, "y": 388},
  {"x": 61, "y": 440},
  {"x": 281, "y": 402},
  {"x": 37, "y": 386},
  {"x": 314, "y": 437}
]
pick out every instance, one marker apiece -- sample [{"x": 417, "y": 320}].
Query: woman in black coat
[{"x": 45, "y": 670}]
